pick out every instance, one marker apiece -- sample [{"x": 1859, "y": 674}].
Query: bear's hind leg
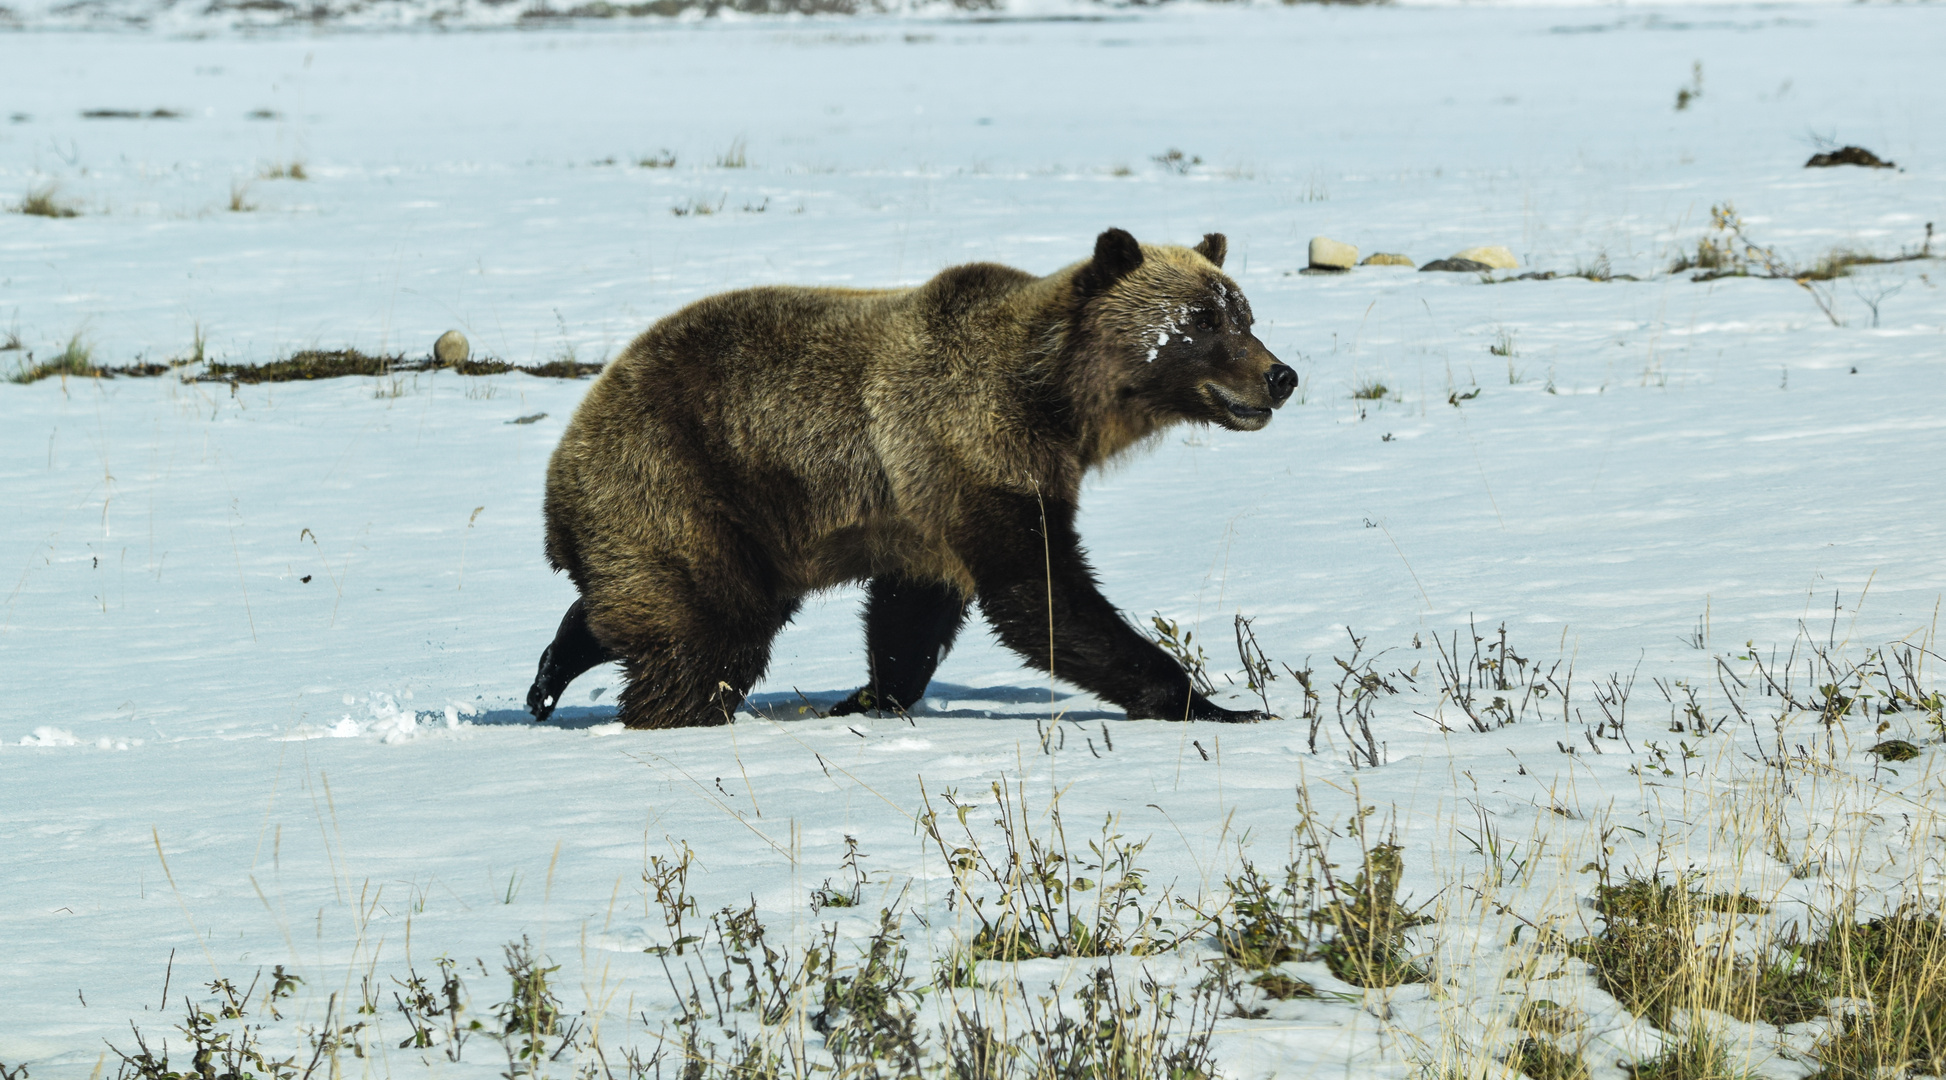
[
  {"x": 572, "y": 653},
  {"x": 909, "y": 626},
  {"x": 696, "y": 672}
]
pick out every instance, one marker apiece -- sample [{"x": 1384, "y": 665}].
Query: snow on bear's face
[{"x": 1184, "y": 330}]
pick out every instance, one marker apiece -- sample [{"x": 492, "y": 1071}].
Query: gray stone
[
  {"x": 451, "y": 348},
  {"x": 1457, "y": 265},
  {"x": 1329, "y": 254}
]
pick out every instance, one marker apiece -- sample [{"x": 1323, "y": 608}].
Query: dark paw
[
  {"x": 1220, "y": 715},
  {"x": 541, "y": 703},
  {"x": 853, "y": 704},
  {"x": 1201, "y": 708},
  {"x": 1197, "y": 707},
  {"x": 862, "y": 700}
]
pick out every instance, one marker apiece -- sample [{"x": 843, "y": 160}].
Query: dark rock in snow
[
  {"x": 1456, "y": 265},
  {"x": 1850, "y": 155}
]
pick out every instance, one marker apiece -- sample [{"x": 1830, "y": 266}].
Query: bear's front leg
[{"x": 1032, "y": 579}]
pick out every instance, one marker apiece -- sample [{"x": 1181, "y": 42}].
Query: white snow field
[{"x": 263, "y": 648}]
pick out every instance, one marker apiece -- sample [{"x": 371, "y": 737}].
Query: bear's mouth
[{"x": 1245, "y": 415}]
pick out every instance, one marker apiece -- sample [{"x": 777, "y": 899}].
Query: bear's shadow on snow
[
  {"x": 572, "y": 717},
  {"x": 942, "y": 700}
]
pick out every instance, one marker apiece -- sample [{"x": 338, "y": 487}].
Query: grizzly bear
[{"x": 758, "y": 445}]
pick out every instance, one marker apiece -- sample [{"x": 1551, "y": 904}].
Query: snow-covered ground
[{"x": 264, "y": 648}]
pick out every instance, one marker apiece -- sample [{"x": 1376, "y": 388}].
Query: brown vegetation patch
[
  {"x": 306, "y": 365},
  {"x": 41, "y": 202},
  {"x": 1355, "y": 927},
  {"x": 1898, "y": 963},
  {"x": 562, "y": 369},
  {"x": 334, "y": 363},
  {"x": 130, "y": 114},
  {"x": 77, "y": 361},
  {"x": 1283, "y": 987},
  {"x": 1542, "y": 1060},
  {"x": 1656, "y": 955}
]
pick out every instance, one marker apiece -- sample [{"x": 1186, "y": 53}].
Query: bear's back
[{"x": 821, "y": 419}]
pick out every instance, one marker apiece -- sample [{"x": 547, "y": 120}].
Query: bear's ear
[
  {"x": 1116, "y": 254},
  {"x": 1213, "y": 247}
]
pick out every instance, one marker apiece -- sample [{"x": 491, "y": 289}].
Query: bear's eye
[{"x": 1205, "y": 321}]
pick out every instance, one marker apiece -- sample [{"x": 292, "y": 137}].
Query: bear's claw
[
  {"x": 1242, "y": 716},
  {"x": 1211, "y": 712}
]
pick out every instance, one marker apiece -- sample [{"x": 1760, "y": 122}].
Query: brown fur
[{"x": 758, "y": 445}]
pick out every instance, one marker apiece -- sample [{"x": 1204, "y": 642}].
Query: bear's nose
[{"x": 1282, "y": 382}]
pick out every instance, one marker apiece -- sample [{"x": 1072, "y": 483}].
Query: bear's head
[{"x": 1176, "y": 332}]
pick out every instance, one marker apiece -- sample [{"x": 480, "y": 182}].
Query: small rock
[
  {"x": 1496, "y": 256},
  {"x": 451, "y": 348},
  {"x": 1457, "y": 265},
  {"x": 1849, "y": 155},
  {"x": 1329, "y": 254},
  {"x": 1385, "y": 258}
]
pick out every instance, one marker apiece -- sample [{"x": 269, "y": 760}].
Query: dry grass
[
  {"x": 1896, "y": 964},
  {"x": 1728, "y": 252},
  {"x": 1541, "y": 1059},
  {"x": 698, "y": 207},
  {"x": 1665, "y": 951},
  {"x": 76, "y": 358},
  {"x": 44, "y": 201},
  {"x": 1176, "y": 161},
  {"x": 1356, "y": 927},
  {"x": 748, "y": 1007},
  {"x": 1697, "y": 1054}
]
